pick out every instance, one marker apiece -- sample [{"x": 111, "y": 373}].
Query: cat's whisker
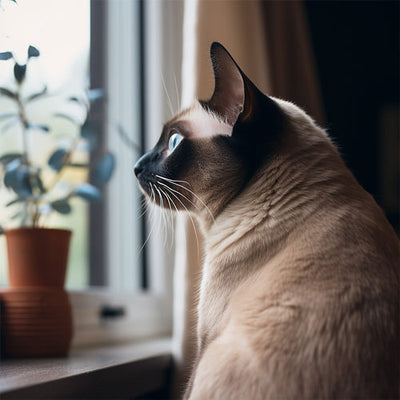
[
  {"x": 198, "y": 198},
  {"x": 172, "y": 180},
  {"x": 169, "y": 204},
  {"x": 145, "y": 205},
  {"x": 176, "y": 208},
  {"x": 190, "y": 191},
  {"x": 178, "y": 102},
  {"x": 170, "y": 215},
  {"x": 172, "y": 202},
  {"x": 150, "y": 203},
  {"x": 191, "y": 219},
  {"x": 159, "y": 210},
  {"x": 140, "y": 208},
  {"x": 163, "y": 203},
  {"x": 177, "y": 192},
  {"x": 160, "y": 214},
  {"x": 168, "y": 97},
  {"x": 164, "y": 221},
  {"x": 152, "y": 199}
]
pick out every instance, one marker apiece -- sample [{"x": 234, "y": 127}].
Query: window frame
[
  {"x": 97, "y": 57},
  {"x": 147, "y": 312}
]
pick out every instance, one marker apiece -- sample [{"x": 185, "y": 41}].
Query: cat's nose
[
  {"x": 138, "y": 169},
  {"x": 144, "y": 162},
  {"x": 140, "y": 164}
]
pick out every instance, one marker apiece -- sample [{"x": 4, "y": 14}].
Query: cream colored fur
[
  {"x": 299, "y": 295},
  {"x": 300, "y": 292}
]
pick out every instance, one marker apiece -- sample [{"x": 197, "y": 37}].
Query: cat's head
[{"x": 209, "y": 152}]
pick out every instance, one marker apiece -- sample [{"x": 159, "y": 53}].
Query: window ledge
[{"x": 122, "y": 371}]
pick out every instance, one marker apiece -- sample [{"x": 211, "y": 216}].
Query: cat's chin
[
  {"x": 145, "y": 188},
  {"x": 144, "y": 191}
]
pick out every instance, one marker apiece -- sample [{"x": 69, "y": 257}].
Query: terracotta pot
[
  {"x": 37, "y": 256},
  {"x": 36, "y": 322},
  {"x": 36, "y": 317}
]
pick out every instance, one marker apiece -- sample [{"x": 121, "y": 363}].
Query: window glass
[{"x": 60, "y": 30}]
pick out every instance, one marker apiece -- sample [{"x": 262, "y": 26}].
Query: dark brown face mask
[{"x": 213, "y": 166}]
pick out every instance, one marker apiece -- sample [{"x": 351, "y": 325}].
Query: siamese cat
[{"x": 299, "y": 297}]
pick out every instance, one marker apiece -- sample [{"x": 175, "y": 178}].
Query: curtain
[{"x": 270, "y": 42}]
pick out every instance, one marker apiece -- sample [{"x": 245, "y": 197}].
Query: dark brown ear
[
  {"x": 252, "y": 114},
  {"x": 228, "y": 97},
  {"x": 234, "y": 94}
]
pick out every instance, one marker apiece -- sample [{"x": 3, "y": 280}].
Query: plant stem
[
  {"x": 36, "y": 216},
  {"x": 32, "y": 206},
  {"x": 24, "y": 123}
]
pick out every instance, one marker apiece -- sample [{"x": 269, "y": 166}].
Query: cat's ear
[
  {"x": 229, "y": 96},
  {"x": 235, "y": 97},
  {"x": 238, "y": 100}
]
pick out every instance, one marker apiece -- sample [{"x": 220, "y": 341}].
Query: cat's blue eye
[{"x": 174, "y": 140}]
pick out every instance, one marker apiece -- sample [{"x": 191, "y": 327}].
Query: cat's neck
[
  {"x": 279, "y": 199},
  {"x": 275, "y": 208}
]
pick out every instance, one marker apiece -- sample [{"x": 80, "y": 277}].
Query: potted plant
[{"x": 36, "y": 312}]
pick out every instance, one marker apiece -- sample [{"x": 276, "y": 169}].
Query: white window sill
[{"x": 112, "y": 372}]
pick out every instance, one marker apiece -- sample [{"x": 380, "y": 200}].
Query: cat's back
[{"x": 324, "y": 310}]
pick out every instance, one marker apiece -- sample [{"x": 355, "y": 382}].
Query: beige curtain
[{"x": 270, "y": 42}]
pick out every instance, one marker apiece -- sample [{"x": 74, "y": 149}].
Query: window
[
  {"x": 135, "y": 55},
  {"x": 62, "y": 67}
]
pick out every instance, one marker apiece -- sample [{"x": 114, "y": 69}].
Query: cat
[{"x": 299, "y": 297}]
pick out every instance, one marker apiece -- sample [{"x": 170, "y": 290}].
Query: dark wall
[{"x": 356, "y": 45}]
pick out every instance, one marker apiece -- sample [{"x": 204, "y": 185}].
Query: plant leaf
[
  {"x": 33, "y": 52},
  {"x": 68, "y": 117},
  {"x": 15, "y": 201},
  {"x": 9, "y": 124},
  {"x": 57, "y": 159},
  {"x": 19, "y": 72},
  {"x": 88, "y": 129},
  {"x": 14, "y": 1},
  {"x": 7, "y": 158},
  {"x": 15, "y": 164},
  {"x": 18, "y": 179},
  {"x": 61, "y": 206},
  {"x": 82, "y": 101},
  {"x": 103, "y": 169},
  {"x": 88, "y": 192},
  {"x": 38, "y": 182},
  {"x": 11, "y": 169},
  {"x": 88, "y": 132},
  {"x": 95, "y": 94},
  {"x": 17, "y": 215},
  {"x": 24, "y": 187},
  {"x": 8, "y": 93},
  {"x": 36, "y": 95},
  {"x": 10, "y": 178},
  {"x": 38, "y": 126},
  {"x": 6, "y": 55},
  {"x": 78, "y": 165},
  {"x": 75, "y": 99},
  {"x": 7, "y": 115}
]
